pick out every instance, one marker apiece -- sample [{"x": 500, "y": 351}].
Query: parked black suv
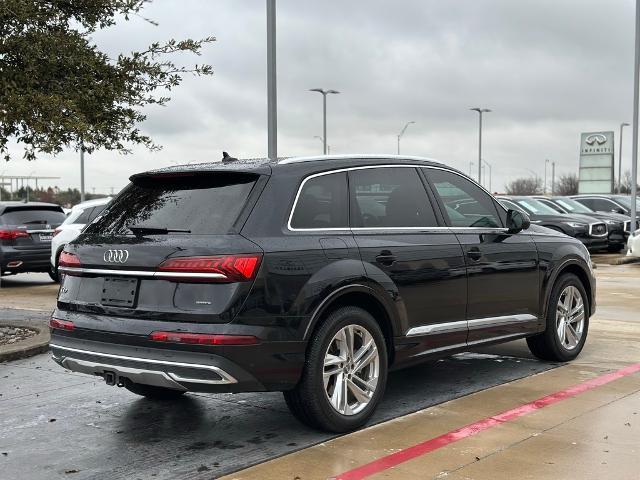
[
  {"x": 26, "y": 230},
  {"x": 618, "y": 225},
  {"x": 311, "y": 276},
  {"x": 593, "y": 233}
]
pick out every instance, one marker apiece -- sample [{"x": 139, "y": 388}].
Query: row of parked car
[{"x": 33, "y": 235}]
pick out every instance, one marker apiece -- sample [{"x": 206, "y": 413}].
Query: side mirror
[{"x": 517, "y": 221}]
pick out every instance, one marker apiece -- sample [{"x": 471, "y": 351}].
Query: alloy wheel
[
  {"x": 351, "y": 369},
  {"x": 570, "y": 317}
]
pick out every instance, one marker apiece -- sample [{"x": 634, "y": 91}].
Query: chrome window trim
[
  {"x": 227, "y": 378},
  {"x": 141, "y": 273},
  {"x": 474, "y": 324},
  {"x": 348, "y": 229}
]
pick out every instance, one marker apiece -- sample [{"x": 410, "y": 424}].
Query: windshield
[
  {"x": 626, "y": 201},
  {"x": 570, "y": 205},
  {"x": 535, "y": 207},
  {"x": 207, "y": 204}
]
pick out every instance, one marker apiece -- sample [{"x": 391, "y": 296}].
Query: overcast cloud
[{"x": 549, "y": 69}]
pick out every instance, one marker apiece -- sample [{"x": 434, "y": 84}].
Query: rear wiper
[{"x": 140, "y": 230}]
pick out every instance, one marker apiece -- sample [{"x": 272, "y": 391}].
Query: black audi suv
[
  {"x": 593, "y": 233},
  {"x": 311, "y": 276},
  {"x": 618, "y": 225},
  {"x": 26, "y": 230}
]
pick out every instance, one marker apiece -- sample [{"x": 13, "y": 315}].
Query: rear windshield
[
  {"x": 33, "y": 216},
  {"x": 206, "y": 204}
]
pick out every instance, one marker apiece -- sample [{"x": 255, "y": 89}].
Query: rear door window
[
  {"x": 84, "y": 216},
  {"x": 392, "y": 197},
  {"x": 322, "y": 203},
  {"x": 206, "y": 204}
]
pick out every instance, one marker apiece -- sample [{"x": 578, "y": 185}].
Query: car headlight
[
  {"x": 576, "y": 224},
  {"x": 636, "y": 233}
]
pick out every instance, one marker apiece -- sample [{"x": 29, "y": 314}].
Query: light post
[
  {"x": 82, "y": 173},
  {"x": 324, "y": 112},
  {"x": 272, "y": 99},
  {"x": 490, "y": 172},
  {"x": 30, "y": 175},
  {"x": 404, "y": 129},
  {"x": 322, "y": 141},
  {"x": 622, "y": 125},
  {"x": 480, "y": 112},
  {"x": 634, "y": 140},
  {"x": 544, "y": 188},
  {"x": 553, "y": 178}
]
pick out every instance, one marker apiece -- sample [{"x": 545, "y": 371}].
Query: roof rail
[{"x": 353, "y": 156}]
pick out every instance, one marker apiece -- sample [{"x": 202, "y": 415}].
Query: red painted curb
[{"x": 423, "y": 448}]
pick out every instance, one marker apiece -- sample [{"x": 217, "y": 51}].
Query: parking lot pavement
[
  {"x": 31, "y": 291},
  {"x": 58, "y": 424},
  {"x": 591, "y": 435}
]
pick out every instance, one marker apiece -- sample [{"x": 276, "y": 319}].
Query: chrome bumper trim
[
  {"x": 69, "y": 362},
  {"x": 141, "y": 273}
]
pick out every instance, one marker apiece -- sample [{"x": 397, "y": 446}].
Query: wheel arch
[
  {"x": 361, "y": 296},
  {"x": 572, "y": 266}
]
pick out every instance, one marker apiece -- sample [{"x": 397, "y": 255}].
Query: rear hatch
[
  {"x": 29, "y": 227},
  {"x": 167, "y": 248}
]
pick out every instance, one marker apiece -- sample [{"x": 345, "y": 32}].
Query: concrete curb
[
  {"x": 626, "y": 260},
  {"x": 39, "y": 343}
]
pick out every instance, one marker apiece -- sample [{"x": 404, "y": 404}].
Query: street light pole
[
  {"x": 553, "y": 178},
  {"x": 634, "y": 140},
  {"x": 272, "y": 99},
  {"x": 490, "y": 172},
  {"x": 544, "y": 188},
  {"x": 404, "y": 129},
  {"x": 623, "y": 124},
  {"x": 480, "y": 112},
  {"x": 82, "y": 174},
  {"x": 324, "y": 112}
]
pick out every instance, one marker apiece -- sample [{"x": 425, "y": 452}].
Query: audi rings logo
[
  {"x": 595, "y": 139},
  {"x": 116, "y": 256}
]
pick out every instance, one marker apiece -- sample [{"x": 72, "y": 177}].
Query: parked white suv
[
  {"x": 80, "y": 215},
  {"x": 633, "y": 244}
]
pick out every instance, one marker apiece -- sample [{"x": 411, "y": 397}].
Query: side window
[
  {"x": 96, "y": 211},
  {"x": 322, "y": 203},
  {"x": 466, "y": 204},
  {"x": 603, "y": 205},
  {"x": 84, "y": 216},
  {"x": 389, "y": 197}
]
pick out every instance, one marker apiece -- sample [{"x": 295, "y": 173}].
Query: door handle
[
  {"x": 474, "y": 253},
  {"x": 385, "y": 257}
]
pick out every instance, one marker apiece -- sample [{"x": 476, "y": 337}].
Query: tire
[
  {"x": 153, "y": 392},
  {"x": 309, "y": 400},
  {"x": 558, "y": 345}
]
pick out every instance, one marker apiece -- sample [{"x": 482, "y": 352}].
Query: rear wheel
[
  {"x": 153, "y": 392},
  {"x": 344, "y": 375},
  {"x": 567, "y": 322}
]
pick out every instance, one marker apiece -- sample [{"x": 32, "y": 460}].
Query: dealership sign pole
[{"x": 634, "y": 140}]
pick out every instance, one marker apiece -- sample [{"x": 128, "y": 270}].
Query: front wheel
[
  {"x": 344, "y": 375},
  {"x": 567, "y": 322}
]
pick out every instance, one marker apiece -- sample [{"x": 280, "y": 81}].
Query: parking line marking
[{"x": 394, "y": 459}]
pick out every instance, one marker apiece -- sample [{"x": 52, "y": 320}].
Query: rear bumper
[
  {"x": 184, "y": 371},
  {"x": 17, "y": 261}
]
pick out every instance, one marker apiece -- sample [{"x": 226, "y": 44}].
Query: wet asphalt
[{"x": 56, "y": 424}]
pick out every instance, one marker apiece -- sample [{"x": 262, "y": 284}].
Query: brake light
[
  {"x": 203, "y": 338},
  {"x": 225, "y": 268},
  {"x": 56, "y": 231},
  {"x": 61, "y": 324},
  {"x": 13, "y": 234},
  {"x": 68, "y": 260}
]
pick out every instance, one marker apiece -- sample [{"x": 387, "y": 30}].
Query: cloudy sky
[{"x": 549, "y": 69}]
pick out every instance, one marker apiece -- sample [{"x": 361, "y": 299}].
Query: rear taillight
[
  {"x": 203, "y": 338},
  {"x": 13, "y": 234},
  {"x": 222, "y": 268},
  {"x": 56, "y": 231},
  {"x": 61, "y": 324},
  {"x": 68, "y": 260}
]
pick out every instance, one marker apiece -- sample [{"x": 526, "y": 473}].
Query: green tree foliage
[{"x": 58, "y": 90}]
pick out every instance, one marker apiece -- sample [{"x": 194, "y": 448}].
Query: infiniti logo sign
[
  {"x": 596, "y": 138},
  {"x": 116, "y": 256}
]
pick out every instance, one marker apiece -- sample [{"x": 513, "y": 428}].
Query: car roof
[
  {"x": 92, "y": 203},
  {"x": 5, "y": 205},
  {"x": 267, "y": 166}
]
